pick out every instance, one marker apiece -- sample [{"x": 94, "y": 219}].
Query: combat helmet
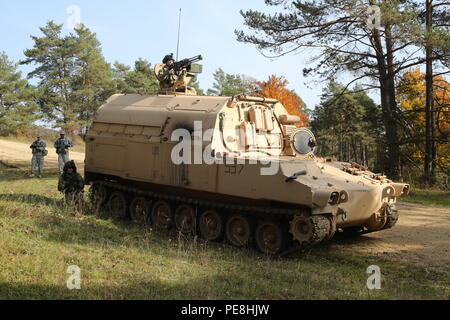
[
  {"x": 167, "y": 58},
  {"x": 70, "y": 164}
]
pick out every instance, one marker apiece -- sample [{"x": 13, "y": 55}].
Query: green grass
[
  {"x": 40, "y": 239},
  {"x": 439, "y": 198}
]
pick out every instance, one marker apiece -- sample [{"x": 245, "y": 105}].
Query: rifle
[{"x": 185, "y": 63}]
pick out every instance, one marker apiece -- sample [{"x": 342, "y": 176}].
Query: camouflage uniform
[
  {"x": 39, "y": 152},
  {"x": 167, "y": 78},
  {"x": 71, "y": 184},
  {"x": 62, "y": 146}
]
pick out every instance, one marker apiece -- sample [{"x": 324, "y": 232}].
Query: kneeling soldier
[{"x": 71, "y": 183}]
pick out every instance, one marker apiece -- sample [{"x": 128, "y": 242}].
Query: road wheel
[
  {"x": 270, "y": 238},
  {"x": 238, "y": 231},
  {"x": 139, "y": 210},
  {"x": 162, "y": 215},
  {"x": 98, "y": 194},
  {"x": 117, "y": 205},
  {"x": 211, "y": 225},
  {"x": 185, "y": 219}
]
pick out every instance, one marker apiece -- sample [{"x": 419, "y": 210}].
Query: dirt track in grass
[{"x": 21, "y": 153}]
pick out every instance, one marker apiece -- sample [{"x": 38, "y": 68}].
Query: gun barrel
[
  {"x": 186, "y": 62},
  {"x": 196, "y": 58}
]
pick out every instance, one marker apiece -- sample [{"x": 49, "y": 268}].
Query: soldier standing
[
  {"x": 167, "y": 76},
  {"x": 71, "y": 183},
  {"x": 39, "y": 151},
  {"x": 62, "y": 145}
]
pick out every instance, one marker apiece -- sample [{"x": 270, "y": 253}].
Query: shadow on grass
[
  {"x": 226, "y": 286},
  {"x": 16, "y": 174},
  {"x": 30, "y": 198},
  {"x": 250, "y": 282}
]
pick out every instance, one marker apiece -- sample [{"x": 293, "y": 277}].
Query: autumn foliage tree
[
  {"x": 276, "y": 87},
  {"x": 411, "y": 97}
]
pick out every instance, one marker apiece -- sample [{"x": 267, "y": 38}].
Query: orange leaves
[
  {"x": 276, "y": 87},
  {"x": 412, "y": 94},
  {"x": 411, "y": 97}
]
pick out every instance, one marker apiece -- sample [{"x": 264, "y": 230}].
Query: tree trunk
[
  {"x": 366, "y": 156},
  {"x": 394, "y": 148},
  {"x": 429, "y": 122},
  {"x": 393, "y": 156}
]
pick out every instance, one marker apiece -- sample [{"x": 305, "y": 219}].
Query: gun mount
[{"x": 175, "y": 78}]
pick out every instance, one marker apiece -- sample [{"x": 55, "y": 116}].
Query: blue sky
[{"x": 148, "y": 29}]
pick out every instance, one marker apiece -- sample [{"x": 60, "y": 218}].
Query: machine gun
[{"x": 185, "y": 63}]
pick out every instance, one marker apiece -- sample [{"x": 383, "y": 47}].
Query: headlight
[{"x": 303, "y": 141}]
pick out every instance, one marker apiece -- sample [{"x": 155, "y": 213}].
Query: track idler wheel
[
  {"x": 309, "y": 230},
  {"x": 377, "y": 221},
  {"x": 162, "y": 215},
  {"x": 270, "y": 238},
  {"x": 211, "y": 225},
  {"x": 185, "y": 219},
  {"x": 238, "y": 231}
]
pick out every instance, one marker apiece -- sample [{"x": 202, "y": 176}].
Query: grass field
[
  {"x": 40, "y": 239},
  {"x": 429, "y": 197}
]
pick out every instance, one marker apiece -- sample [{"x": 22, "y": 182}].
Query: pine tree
[
  {"x": 18, "y": 109},
  {"x": 226, "y": 84},
  {"x": 92, "y": 80},
  {"x": 348, "y": 126},
  {"x": 74, "y": 78},
  {"x": 120, "y": 72},
  {"x": 141, "y": 80},
  {"x": 53, "y": 56}
]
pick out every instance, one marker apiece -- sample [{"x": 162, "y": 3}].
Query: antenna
[{"x": 179, "y": 30}]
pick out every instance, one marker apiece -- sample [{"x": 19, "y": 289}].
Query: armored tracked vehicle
[{"x": 234, "y": 168}]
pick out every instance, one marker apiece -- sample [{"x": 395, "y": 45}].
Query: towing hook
[{"x": 296, "y": 175}]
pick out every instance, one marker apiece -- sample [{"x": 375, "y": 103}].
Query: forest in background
[{"x": 406, "y": 136}]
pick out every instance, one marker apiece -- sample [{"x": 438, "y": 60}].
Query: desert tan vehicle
[{"x": 249, "y": 176}]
